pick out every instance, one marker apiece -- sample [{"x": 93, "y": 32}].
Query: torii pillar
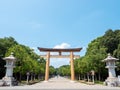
[
  {"x": 47, "y": 67},
  {"x": 72, "y": 66}
]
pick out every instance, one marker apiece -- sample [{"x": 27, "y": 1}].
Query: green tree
[
  {"x": 27, "y": 60},
  {"x": 52, "y": 71},
  {"x": 64, "y": 70},
  {"x": 5, "y": 44}
]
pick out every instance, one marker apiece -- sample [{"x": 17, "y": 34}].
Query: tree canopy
[
  {"x": 27, "y": 59},
  {"x": 97, "y": 50}
]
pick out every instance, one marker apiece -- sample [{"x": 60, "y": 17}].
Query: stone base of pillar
[
  {"x": 72, "y": 81},
  {"x": 9, "y": 81},
  {"x": 112, "y": 81},
  {"x": 1, "y": 83},
  {"x": 45, "y": 81}
]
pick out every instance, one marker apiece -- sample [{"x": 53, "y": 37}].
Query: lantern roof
[
  {"x": 11, "y": 57},
  {"x": 110, "y": 58}
]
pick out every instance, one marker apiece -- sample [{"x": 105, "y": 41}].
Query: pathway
[{"x": 59, "y": 83}]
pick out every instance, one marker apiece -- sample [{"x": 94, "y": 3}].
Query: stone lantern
[
  {"x": 112, "y": 80},
  {"x": 10, "y": 64}
]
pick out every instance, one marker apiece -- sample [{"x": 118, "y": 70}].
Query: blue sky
[{"x": 58, "y": 23}]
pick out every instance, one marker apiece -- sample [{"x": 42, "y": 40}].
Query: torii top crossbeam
[{"x": 59, "y": 50}]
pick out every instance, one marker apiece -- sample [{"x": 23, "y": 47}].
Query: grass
[
  {"x": 91, "y": 83},
  {"x": 99, "y": 82},
  {"x": 30, "y": 82}
]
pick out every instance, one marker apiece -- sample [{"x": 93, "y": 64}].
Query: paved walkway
[{"x": 60, "y": 83}]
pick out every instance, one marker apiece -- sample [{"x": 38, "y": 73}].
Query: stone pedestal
[
  {"x": 112, "y": 81},
  {"x": 1, "y": 83},
  {"x": 9, "y": 81}
]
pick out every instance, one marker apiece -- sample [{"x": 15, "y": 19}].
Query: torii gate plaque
[{"x": 48, "y": 56}]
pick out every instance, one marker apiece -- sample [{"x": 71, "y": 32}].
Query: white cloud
[
  {"x": 57, "y": 62},
  {"x": 62, "y": 46}
]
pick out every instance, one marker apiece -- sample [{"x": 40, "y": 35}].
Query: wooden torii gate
[{"x": 48, "y": 56}]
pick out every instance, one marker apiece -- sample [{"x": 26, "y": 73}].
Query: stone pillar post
[
  {"x": 111, "y": 72},
  {"x": 47, "y": 67},
  {"x": 72, "y": 66}
]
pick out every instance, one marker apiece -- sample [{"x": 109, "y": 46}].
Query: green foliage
[
  {"x": 64, "y": 70},
  {"x": 27, "y": 59},
  {"x": 5, "y": 44},
  {"x": 97, "y": 50},
  {"x": 52, "y": 70},
  {"x": 42, "y": 64},
  {"x": 110, "y": 40}
]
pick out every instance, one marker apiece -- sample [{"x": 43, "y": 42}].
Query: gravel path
[{"x": 60, "y": 83}]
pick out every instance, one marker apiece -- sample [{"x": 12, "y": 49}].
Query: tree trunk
[
  {"x": 38, "y": 77},
  {"x": 84, "y": 77},
  {"x": 79, "y": 77},
  {"x": 34, "y": 77},
  {"x": 20, "y": 77},
  {"x": 27, "y": 79},
  {"x": 31, "y": 77},
  {"x": 88, "y": 78},
  {"x": 16, "y": 76},
  {"x": 95, "y": 77},
  {"x": 99, "y": 76}
]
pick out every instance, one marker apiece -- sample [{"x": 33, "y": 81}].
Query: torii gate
[{"x": 71, "y": 56}]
